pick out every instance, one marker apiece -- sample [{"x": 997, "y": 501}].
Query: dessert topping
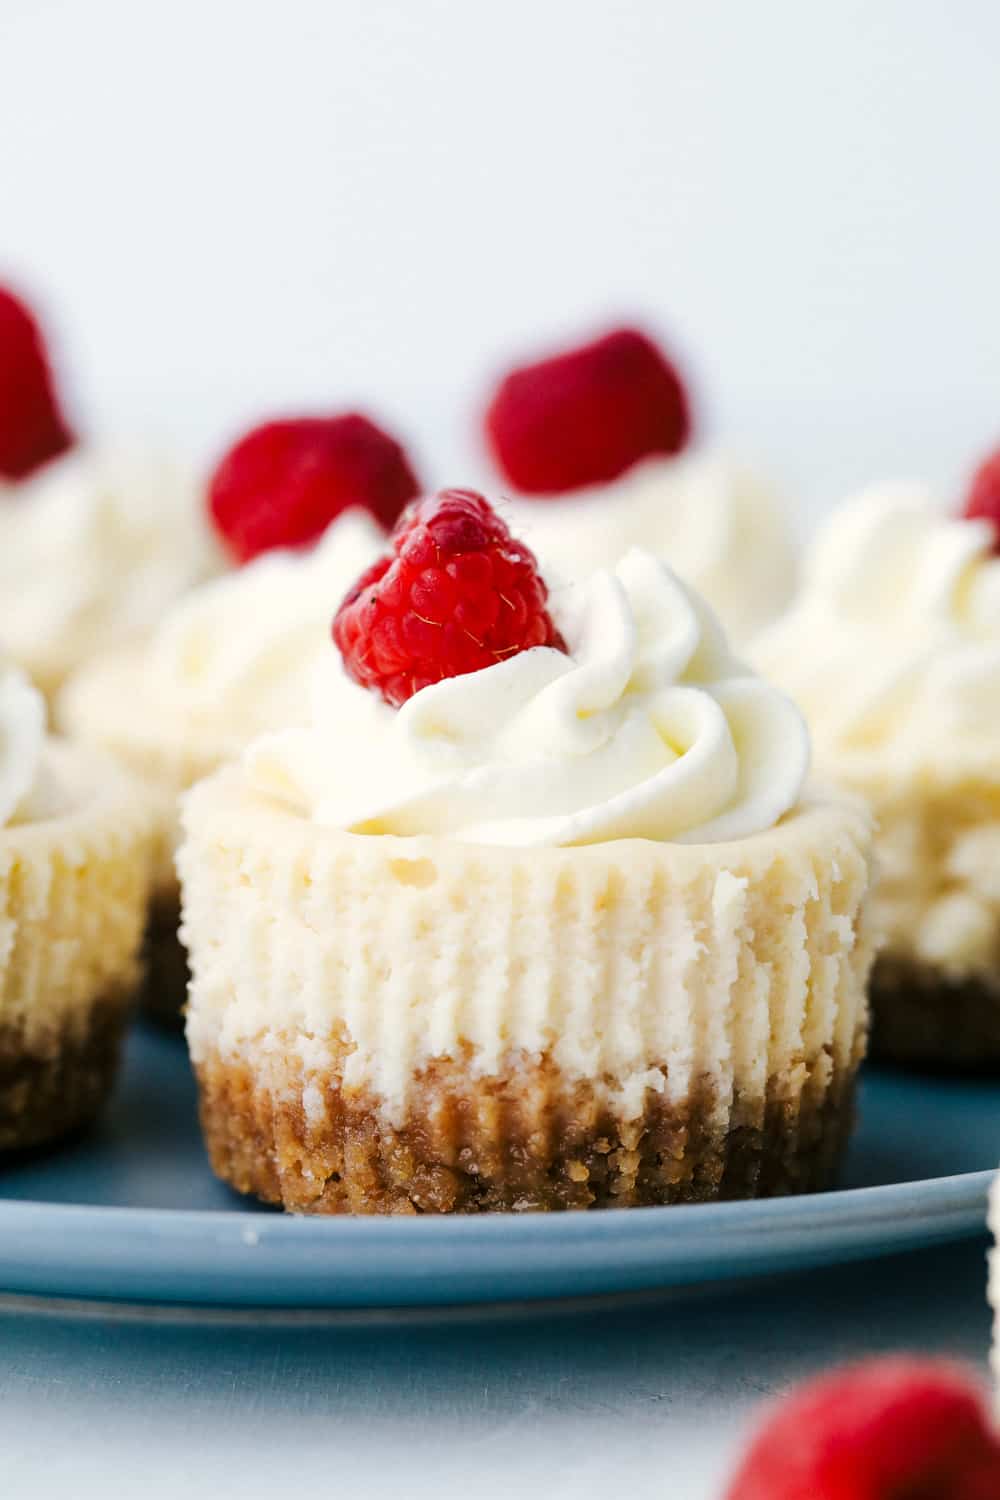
[
  {"x": 238, "y": 654},
  {"x": 876, "y": 1431},
  {"x": 455, "y": 592},
  {"x": 284, "y": 482},
  {"x": 584, "y": 417},
  {"x": 32, "y": 428}
]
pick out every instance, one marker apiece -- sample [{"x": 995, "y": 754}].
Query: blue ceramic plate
[{"x": 132, "y": 1212}]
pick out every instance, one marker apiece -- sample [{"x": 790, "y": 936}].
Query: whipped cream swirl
[
  {"x": 894, "y": 645},
  {"x": 241, "y": 651},
  {"x": 648, "y": 729},
  {"x": 710, "y": 518},
  {"x": 108, "y": 539},
  {"x": 22, "y": 741}
]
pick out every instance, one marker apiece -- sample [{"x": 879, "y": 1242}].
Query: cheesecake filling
[
  {"x": 709, "y": 516},
  {"x": 33, "y": 780},
  {"x": 240, "y": 652},
  {"x": 22, "y": 739},
  {"x": 109, "y": 539},
  {"x": 74, "y": 879},
  {"x": 893, "y": 652},
  {"x": 232, "y": 659},
  {"x": 893, "y": 649},
  {"x": 641, "y": 968},
  {"x": 648, "y": 728}
]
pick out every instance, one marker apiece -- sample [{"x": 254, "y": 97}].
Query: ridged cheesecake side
[
  {"x": 73, "y": 894},
  {"x": 102, "y": 705},
  {"x": 399, "y": 1025}
]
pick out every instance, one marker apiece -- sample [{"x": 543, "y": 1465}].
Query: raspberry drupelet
[
  {"x": 455, "y": 592},
  {"x": 284, "y": 482},
  {"x": 586, "y": 416}
]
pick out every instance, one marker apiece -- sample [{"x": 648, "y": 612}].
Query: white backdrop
[{"x": 231, "y": 206}]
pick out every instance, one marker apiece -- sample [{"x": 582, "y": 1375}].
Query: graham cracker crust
[
  {"x": 528, "y": 1141},
  {"x": 921, "y": 1016},
  {"x": 165, "y": 965},
  {"x": 46, "y": 1093}
]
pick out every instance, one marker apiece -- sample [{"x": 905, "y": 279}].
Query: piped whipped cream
[
  {"x": 22, "y": 742},
  {"x": 93, "y": 550},
  {"x": 893, "y": 648},
  {"x": 649, "y": 728},
  {"x": 241, "y": 651},
  {"x": 710, "y": 518}
]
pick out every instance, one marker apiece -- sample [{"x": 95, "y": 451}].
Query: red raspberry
[
  {"x": 32, "y": 429},
  {"x": 586, "y": 416},
  {"x": 983, "y": 502},
  {"x": 455, "y": 592},
  {"x": 284, "y": 482},
  {"x": 881, "y": 1430}
]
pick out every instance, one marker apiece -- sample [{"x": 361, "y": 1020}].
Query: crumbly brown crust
[
  {"x": 921, "y": 1016},
  {"x": 527, "y": 1141},
  {"x": 59, "y": 1085},
  {"x": 165, "y": 964}
]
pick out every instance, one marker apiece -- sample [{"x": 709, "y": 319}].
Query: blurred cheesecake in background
[
  {"x": 74, "y": 877},
  {"x": 595, "y": 446},
  {"x": 892, "y": 650},
  {"x": 303, "y": 503},
  {"x": 96, "y": 541},
  {"x": 93, "y": 550}
]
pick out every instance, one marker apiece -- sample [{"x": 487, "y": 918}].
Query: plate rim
[
  {"x": 241, "y": 1259},
  {"x": 950, "y": 1193}
]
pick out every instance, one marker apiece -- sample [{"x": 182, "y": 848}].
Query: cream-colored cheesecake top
[
  {"x": 240, "y": 652},
  {"x": 233, "y": 659},
  {"x": 893, "y": 649},
  {"x": 108, "y": 538},
  {"x": 647, "y": 728},
  {"x": 713, "y": 519}
]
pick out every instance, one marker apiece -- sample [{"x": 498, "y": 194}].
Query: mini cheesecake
[
  {"x": 566, "y": 929},
  {"x": 893, "y": 652},
  {"x": 75, "y": 844}
]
